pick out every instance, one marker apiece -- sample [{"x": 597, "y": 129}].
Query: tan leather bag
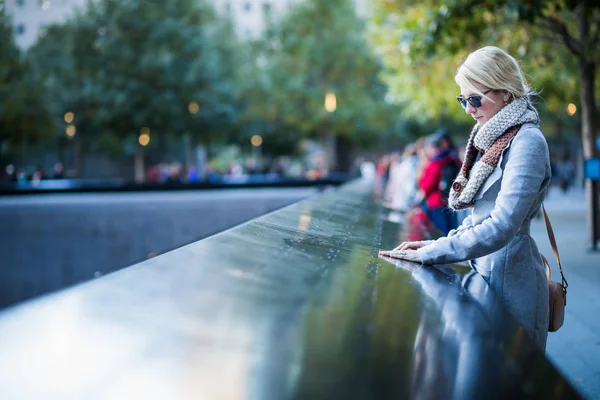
[{"x": 557, "y": 291}]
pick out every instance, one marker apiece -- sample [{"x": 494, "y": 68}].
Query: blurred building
[
  {"x": 30, "y": 17},
  {"x": 250, "y": 16}
]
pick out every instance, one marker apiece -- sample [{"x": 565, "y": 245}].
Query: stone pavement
[{"x": 575, "y": 348}]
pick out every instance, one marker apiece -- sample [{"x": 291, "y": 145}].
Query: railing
[
  {"x": 295, "y": 304},
  {"x": 122, "y": 185}
]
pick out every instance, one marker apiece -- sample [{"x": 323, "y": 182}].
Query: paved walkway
[{"x": 575, "y": 348}]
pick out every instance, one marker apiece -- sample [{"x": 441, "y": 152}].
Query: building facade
[{"x": 30, "y": 17}]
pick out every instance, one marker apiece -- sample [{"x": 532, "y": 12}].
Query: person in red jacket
[{"x": 439, "y": 172}]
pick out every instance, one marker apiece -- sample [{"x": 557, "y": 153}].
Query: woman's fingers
[
  {"x": 409, "y": 246},
  {"x": 401, "y": 246},
  {"x": 409, "y": 255}
]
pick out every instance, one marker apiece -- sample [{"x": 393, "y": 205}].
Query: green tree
[
  {"x": 435, "y": 36},
  {"x": 316, "y": 49},
  {"x": 24, "y": 117},
  {"x": 125, "y": 65}
]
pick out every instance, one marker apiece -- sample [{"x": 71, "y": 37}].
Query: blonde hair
[{"x": 495, "y": 69}]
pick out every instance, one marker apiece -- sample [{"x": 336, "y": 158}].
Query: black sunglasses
[{"x": 475, "y": 101}]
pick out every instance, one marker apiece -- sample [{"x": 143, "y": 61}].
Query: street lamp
[
  {"x": 571, "y": 109},
  {"x": 330, "y": 102},
  {"x": 193, "y": 107},
  {"x": 256, "y": 140},
  {"x": 70, "y": 131},
  {"x": 144, "y": 139},
  {"x": 69, "y": 116},
  {"x": 328, "y": 138}
]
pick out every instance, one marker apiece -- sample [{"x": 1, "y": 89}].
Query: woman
[{"x": 503, "y": 180}]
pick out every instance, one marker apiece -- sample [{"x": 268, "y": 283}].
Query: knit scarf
[{"x": 491, "y": 139}]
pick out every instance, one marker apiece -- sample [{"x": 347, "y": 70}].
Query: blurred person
[
  {"x": 450, "y": 171},
  {"x": 381, "y": 174},
  {"x": 367, "y": 169},
  {"x": 174, "y": 171},
  {"x": 21, "y": 175},
  {"x": 277, "y": 167},
  {"x": 565, "y": 173},
  {"x": 383, "y": 168},
  {"x": 37, "y": 175},
  {"x": 395, "y": 160},
  {"x": 153, "y": 174},
  {"x": 58, "y": 171},
  {"x": 192, "y": 174},
  {"x": 211, "y": 174},
  {"x": 235, "y": 169},
  {"x": 296, "y": 170},
  {"x": 402, "y": 186},
  {"x": 505, "y": 174},
  {"x": 439, "y": 171},
  {"x": 251, "y": 167},
  {"x": 317, "y": 172},
  {"x": 423, "y": 160},
  {"x": 164, "y": 172},
  {"x": 40, "y": 173},
  {"x": 10, "y": 171},
  {"x": 355, "y": 167}
]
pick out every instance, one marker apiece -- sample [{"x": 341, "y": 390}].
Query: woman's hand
[
  {"x": 408, "y": 255},
  {"x": 410, "y": 245},
  {"x": 406, "y": 251}
]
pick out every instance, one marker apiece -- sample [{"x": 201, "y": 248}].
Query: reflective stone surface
[{"x": 295, "y": 304}]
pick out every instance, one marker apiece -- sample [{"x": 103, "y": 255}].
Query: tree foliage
[
  {"x": 24, "y": 116},
  {"x": 124, "y": 65},
  {"x": 179, "y": 69},
  {"x": 422, "y": 44},
  {"x": 319, "y": 48}
]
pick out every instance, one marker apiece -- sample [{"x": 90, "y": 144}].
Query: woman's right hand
[{"x": 410, "y": 245}]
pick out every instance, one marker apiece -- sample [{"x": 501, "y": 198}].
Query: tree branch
[
  {"x": 596, "y": 35},
  {"x": 552, "y": 38},
  {"x": 560, "y": 28}
]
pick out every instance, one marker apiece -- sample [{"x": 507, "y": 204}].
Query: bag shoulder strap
[{"x": 564, "y": 282}]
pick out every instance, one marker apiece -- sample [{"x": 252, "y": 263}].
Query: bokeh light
[
  {"x": 69, "y": 116},
  {"x": 70, "y": 131},
  {"x": 144, "y": 139},
  {"x": 330, "y": 102},
  {"x": 193, "y": 107},
  {"x": 256, "y": 140}
]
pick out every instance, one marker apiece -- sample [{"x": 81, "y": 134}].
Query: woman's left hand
[{"x": 408, "y": 255}]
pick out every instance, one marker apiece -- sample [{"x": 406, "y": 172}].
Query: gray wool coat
[{"x": 495, "y": 238}]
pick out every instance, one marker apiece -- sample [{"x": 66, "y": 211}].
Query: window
[
  {"x": 228, "y": 7},
  {"x": 20, "y": 29},
  {"x": 45, "y": 4},
  {"x": 267, "y": 7},
  {"x": 20, "y": 3},
  {"x": 247, "y": 7}
]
